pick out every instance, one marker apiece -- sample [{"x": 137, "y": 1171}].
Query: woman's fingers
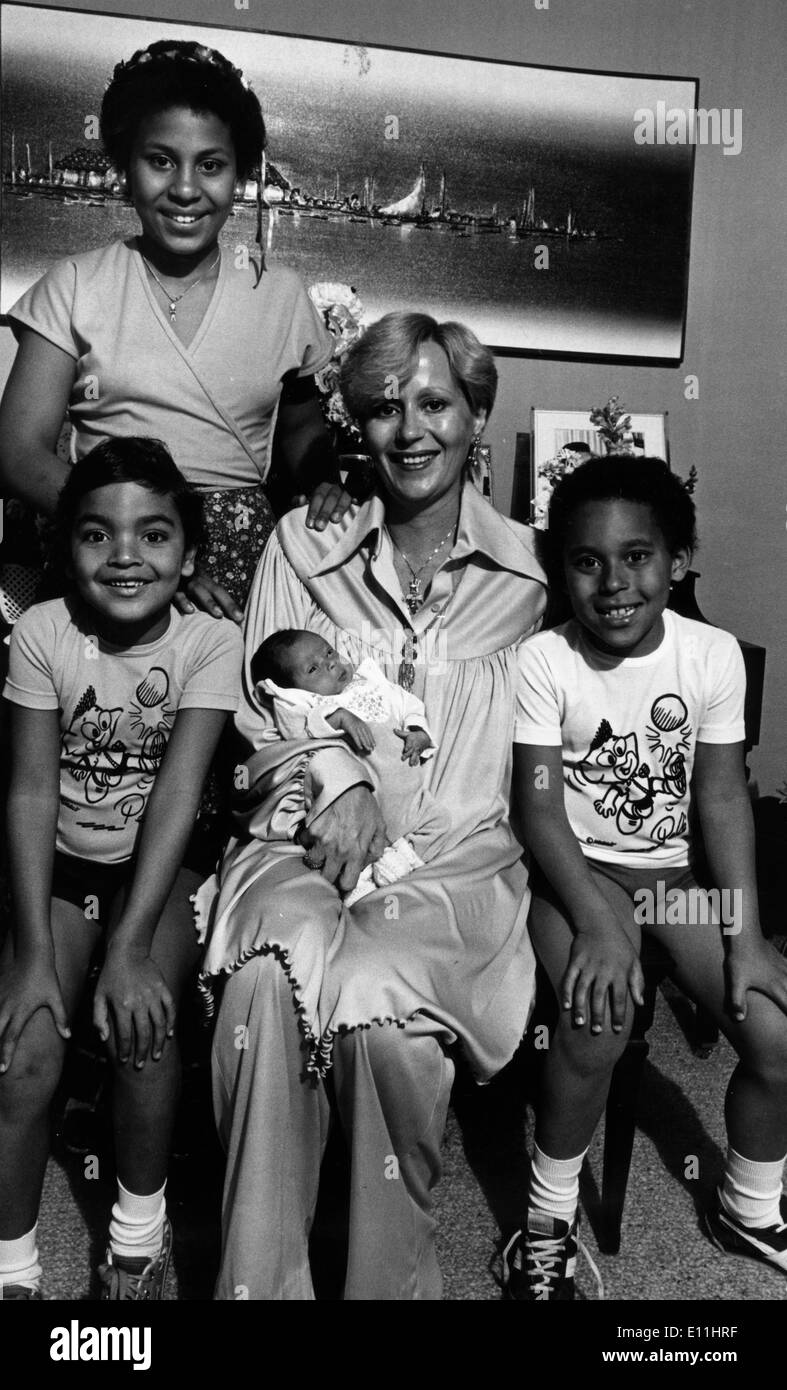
[
  {"x": 182, "y": 602},
  {"x": 213, "y": 598},
  {"x": 328, "y": 502}
]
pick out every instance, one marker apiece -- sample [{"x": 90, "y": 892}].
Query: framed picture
[
  {"x": 562, "y": 438},
  {"x": 522, "y": 200}
]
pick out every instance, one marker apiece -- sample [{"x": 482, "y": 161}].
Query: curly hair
[
  {"x": 615, "y": 477},
  {"x": 388, "y": 350},
  {"x": 181, "y": 73},
  {"x": 135, "y": 459}
]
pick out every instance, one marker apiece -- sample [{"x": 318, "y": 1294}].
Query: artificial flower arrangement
[{"x": 342, "y": 313}]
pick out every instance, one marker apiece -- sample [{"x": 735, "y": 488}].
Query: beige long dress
[{"x": 448, "y": 943}]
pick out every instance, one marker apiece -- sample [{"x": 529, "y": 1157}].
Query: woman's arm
[
  {"x": 32, "y": 808},
  {"x": 130, "y": 984},
  {"x": 32, "y": 412},
  {"x": 603, "y": 960},
  {"x": 722, "y": 798},
  {"x": 303, "y": 455}
]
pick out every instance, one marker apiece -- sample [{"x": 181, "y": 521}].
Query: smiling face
[
  {"x": 182, "y": 175},
  {"x": 419, "y": 434},
  {"x": 128, "y": 553},
  {"x": 618, "y": 572},
  {"x": 315, "y": 666}
]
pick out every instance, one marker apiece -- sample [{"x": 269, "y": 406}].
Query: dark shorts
[
  {"x": 77, "y": 880},
  {"x": 90, "y": 886}
]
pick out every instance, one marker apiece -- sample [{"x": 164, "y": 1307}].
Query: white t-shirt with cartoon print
[
  {"x": 628, "y": 730},
  {"x": 117, "y": 709}
]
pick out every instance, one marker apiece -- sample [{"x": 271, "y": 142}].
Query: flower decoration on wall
[
  {"x": 342, "y": 312},
  {"x": 613, "y": 425}
]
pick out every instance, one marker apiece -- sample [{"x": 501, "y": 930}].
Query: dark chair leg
[{"x": 619, "y": 1142}]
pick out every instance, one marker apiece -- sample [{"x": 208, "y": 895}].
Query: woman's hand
[
  {"x": 757, "y": 966},
  {"x": 328, "y": 502},
  {"x": 23, "y": 991},
  {"x": 132, "y": 989},
  {"x": 347, "y": 836},
  {"x": 200, "y": 591},
  {"x": 603, "y": 964}
]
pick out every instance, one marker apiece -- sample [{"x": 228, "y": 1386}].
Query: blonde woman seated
[{"x": 431, "y": 583}]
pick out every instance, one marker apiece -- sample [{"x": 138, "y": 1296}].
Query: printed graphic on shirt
[
  {"x": 637, "y": 792},
  {"x": 103, "y": 749},
  {"x": 362, "y": 698}
]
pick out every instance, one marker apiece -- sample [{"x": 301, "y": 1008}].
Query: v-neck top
[{"x": 135, "y": 376}]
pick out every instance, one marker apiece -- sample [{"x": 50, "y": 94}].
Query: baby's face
[{"x": 315, "y": 666}]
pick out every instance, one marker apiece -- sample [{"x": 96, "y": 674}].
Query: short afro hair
[
  {"x": 181, "y": 73},
  {"x": 618, "y": 477}
]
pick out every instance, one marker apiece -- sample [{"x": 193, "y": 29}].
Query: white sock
[
  {"x": 554, "y": 1184},
  {"x": 751, "y": 1192},
  {"x": 19, "y": 1261},
  {"x": 136, "y": 1229}
]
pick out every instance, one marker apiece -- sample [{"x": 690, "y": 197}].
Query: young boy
[{"x": 629, "y": 729}]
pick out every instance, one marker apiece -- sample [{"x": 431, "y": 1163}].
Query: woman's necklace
[
  {"x": 414, "y": 597},
  {"x": 174, "y": 300}
]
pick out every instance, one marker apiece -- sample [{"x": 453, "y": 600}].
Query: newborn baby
[{"x": 315, "y": 694}]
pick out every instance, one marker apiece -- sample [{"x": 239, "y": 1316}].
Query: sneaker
[
  {"x": 136, "y": 1280},
  {"x": 10, "y": 1293},
  {"x": 539, "y": 1262},
  {"x": 768, "y": 1244}
]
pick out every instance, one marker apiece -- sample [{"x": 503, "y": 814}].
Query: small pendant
[
  {"x": 172, "y": 313},
  {"x": 414, "y": 598}
]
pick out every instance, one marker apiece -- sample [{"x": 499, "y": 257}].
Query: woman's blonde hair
[{"x": 383, "y": 360}]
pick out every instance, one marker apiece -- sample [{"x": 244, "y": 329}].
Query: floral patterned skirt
[{"x": 238, "y": 522}]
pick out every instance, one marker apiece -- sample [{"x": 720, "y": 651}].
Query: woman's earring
[{"x": 472, "y": 457}]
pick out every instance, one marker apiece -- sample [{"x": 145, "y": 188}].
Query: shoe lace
[
  {"x": 546, "y": 1264},
  {"x": 544, "y": 1261}
]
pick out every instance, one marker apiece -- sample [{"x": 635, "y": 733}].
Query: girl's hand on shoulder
[
  {"x": 132, "y": 992},
  {"x": 603, "y": 966},
  {"x": 200, "y": 591},
  {"x": 759, "y": 967},
  {"x": 328, "y": 502},
  {"x": 24, "y": 990}
]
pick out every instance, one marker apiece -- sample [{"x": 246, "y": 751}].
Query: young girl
[
  {"x": 118, "y": 702},
  {"x": 629, "y": 729},
  {"x": 170, "y": 335}
]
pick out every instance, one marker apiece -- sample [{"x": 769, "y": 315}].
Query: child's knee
[
  {"x": 589, "y": 1054},
  {"x": 34, "y": 1073}
]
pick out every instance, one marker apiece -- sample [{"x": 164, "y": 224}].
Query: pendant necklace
[
  {"x": 414, "y": 597},
  {"x": 174, "y": 300}
]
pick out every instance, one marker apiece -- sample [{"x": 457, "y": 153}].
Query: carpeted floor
[{"x": 664, "y": 1254}]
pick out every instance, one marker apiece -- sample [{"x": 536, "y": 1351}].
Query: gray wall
[{"x": 734, "y": 432}]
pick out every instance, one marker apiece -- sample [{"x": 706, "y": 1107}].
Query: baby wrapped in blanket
[{"x": 316, "y": 694}]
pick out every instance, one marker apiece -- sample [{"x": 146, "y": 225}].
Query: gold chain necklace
[{"x": 174, "y": 300}]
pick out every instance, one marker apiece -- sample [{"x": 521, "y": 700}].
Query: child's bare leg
[
  {"x": 27, "y": 1088},
  {"x": 756, "y": 1102},
  {"x": 578, "y": 1065},
  {"x": 145, "y": 1098}
]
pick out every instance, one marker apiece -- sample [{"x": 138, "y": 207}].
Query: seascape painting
[{"x": 513, "y": 197}]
